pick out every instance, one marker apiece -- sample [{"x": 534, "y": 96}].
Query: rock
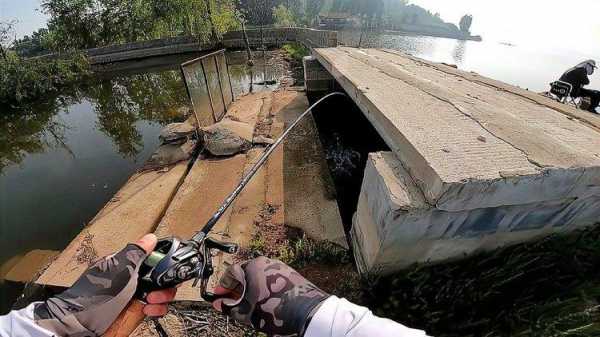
[
  {"x": 176, "y": 132},
  {"x": 168, "y": 154},
  {"x": 228, "y": 137},
  {"x": 262, "y": 140}
]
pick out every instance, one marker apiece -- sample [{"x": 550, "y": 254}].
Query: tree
[
  {"x": 465, "y": 24},
  {"x": 7, "y": 33},
  {"x": 80, "y": 24},
  {"x": 284, "y": 17}
]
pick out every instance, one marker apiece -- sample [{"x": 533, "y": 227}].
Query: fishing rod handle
[{"x": 130, "y": 318}]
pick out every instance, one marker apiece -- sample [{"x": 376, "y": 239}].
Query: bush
[
  {"x": 26, "y": 80},
  {"x": 296, "y": 51}
]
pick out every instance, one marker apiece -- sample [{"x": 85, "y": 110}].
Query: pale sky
[
  {"x": 548, "y": 24},
  {"x": 538, "y": 24},
  {"x": 26, "y": 12}
]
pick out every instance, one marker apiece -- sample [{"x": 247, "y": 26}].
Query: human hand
[
  {"x": 269, "y": 296},
  {"x": 93, "y": 303}
]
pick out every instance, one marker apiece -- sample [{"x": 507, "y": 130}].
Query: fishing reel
[{"x": 175, "y": 261}]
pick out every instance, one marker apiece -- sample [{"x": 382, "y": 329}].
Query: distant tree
[
  {"x": 312, "y": 10},
  {"x": 284, "y": 17},
  {"x": 465, "y": 23},
  {"x": 33, "y": 45},
  {"x": 7, "y": 33}
]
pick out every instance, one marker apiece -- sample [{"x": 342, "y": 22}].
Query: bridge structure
[
  {"x": 474, "y": 164},
  {"x": 268, "y": 37}
]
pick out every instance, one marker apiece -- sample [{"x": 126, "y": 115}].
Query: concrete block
[
  {"x": 395, "y": 227},
  {"x": 469, "y": 143},
  {"x": 316, "y": 78}
]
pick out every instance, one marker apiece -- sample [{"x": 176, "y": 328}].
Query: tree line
[{"x": 74, "y": 25}]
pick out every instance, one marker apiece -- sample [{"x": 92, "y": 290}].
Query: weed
[{"x": 296, "y": 51}]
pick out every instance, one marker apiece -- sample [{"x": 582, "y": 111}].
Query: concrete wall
[
  {"x": 394, "y": 226},
  {"x": 272, "y": 37}
]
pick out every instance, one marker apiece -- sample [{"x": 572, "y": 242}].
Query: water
[
  {"x": 63, "y": 159},
  {"x": 520, "y": 65}
]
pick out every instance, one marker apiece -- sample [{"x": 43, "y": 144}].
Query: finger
[
  {"x": 221, "y": 291},
  {"x": 161, "y": 296},
  {"x": 156, "y": 310},
  {"x": 147, "y": 243}
]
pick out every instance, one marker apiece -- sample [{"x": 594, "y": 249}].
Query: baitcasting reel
[{"x": 174, "y": 262}]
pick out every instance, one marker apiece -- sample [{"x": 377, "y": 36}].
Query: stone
[
  {"x": 168, "y": 154},
  {"x": 395, "y": 227},
  {"x": 228, "y": 137},
  {"x": 176, "y": 131},
  {"x": 262, "y": 140}
]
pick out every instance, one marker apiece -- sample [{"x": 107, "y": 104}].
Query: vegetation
[
  {"x": 296, "y": 51},
  {"x": 547, "y": 288},
  {"x": 26, "y": 80},
  {"x": 284, "y": 17}
]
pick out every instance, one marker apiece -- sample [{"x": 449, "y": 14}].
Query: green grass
[
  {"x": 296, "y": 50},
  {"x": 547, "y": 288}
]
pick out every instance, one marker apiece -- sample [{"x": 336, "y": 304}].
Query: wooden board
[{"x": 133, "y": 212}]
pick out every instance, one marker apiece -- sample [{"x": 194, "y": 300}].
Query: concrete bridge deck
[{"x": 471, "y": 157}]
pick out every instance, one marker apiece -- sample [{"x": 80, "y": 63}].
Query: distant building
[{"x": 334, "y": 20}]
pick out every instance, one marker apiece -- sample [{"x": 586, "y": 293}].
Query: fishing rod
[{"x": 175, "y": 261}]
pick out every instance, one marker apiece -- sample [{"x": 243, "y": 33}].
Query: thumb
[{"x": 147, "y": 243}]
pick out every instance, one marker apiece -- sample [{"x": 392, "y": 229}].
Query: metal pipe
[{"x": 236, "y": 192}]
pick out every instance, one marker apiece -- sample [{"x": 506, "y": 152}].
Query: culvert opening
[{"x": 347, "y": 137}]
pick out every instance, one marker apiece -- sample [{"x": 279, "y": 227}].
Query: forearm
[
  {"x": 20, "y": 323},
  {"x": 339, "y": 318}
]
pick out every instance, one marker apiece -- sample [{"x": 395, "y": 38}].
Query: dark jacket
[{"x": 577, "y": 77}]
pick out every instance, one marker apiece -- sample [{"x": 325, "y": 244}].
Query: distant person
[{"x": 578, "y": 77}]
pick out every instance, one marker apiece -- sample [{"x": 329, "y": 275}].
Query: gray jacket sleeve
[
  {"x": 339, "y": 318},
  {"x": 20, "y": 323}
]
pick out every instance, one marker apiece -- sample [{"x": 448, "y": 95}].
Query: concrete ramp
[{"x": 475, "y": 163}]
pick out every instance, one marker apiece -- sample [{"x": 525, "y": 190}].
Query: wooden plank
[{"x": 134, "y": 212}]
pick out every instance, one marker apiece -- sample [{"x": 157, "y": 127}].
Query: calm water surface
[{"x": 62, "y": 160}]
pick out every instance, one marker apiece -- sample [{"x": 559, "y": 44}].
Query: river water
[{"x": 63, "y": 159}]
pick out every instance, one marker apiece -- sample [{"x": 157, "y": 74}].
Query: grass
[
  {"x": 542, "y": 289},
  {"x": 296, "y": 51}
]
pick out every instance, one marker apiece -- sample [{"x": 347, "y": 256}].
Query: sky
[
  {"x": 548, "y": 24},
  {"x": 26, "y": 12}
]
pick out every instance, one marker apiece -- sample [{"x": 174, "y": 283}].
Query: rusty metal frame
[{"x": 201, "y": 59}]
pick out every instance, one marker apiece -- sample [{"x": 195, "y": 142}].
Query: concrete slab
[
  {"x": 467, "y": 143},
  {"x": 133, "y": 212},
  {"x": 310, "y": 199},
  {"x": 29, "y": 266},
  {"x": 395, "y": 227},
  {"x": 208, "y": 183}
]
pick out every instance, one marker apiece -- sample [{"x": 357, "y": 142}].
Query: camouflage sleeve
[
  {"x": 275, "y": 299},
  {"x": 93, "y": 303},
  {"x": 20, "y": 323},
  {"x": 339, "y": 318}
]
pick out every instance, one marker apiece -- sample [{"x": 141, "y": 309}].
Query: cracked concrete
[
  {"x": 394, "y": 226},
  {"x": 470, "y": 142}
]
